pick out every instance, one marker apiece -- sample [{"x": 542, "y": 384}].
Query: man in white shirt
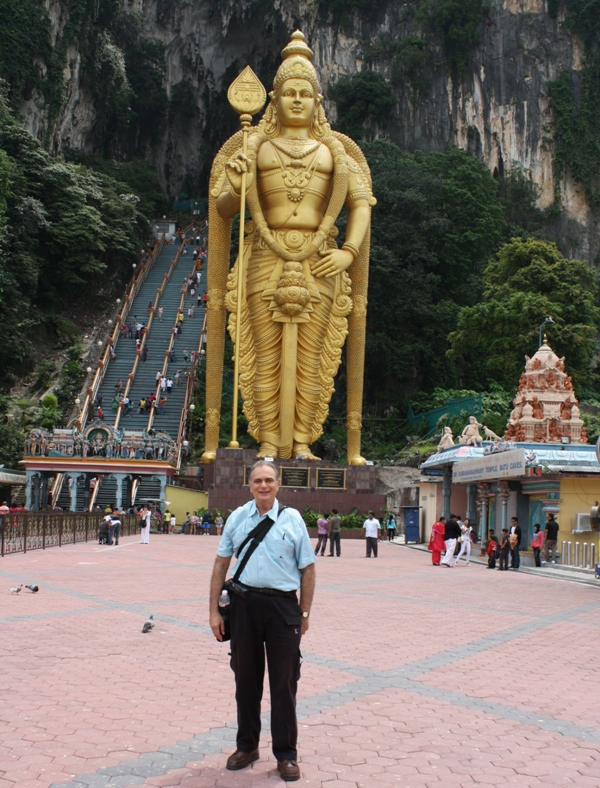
[{"x": 371, "y": 527}]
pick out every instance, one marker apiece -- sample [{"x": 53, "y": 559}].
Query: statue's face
[{"x": 296, "y": 103}]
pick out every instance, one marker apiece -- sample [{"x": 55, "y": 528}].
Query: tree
[
  {"x": 437, "y": 220},
  {"x": 364, "y": 104},
  {"x": 528, "y": 280}
]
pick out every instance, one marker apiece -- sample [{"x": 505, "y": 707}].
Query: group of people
[
  {"x": 328, "y": 529},
  {"x": 446, "y": 534},
  {"x": 200, "y": 523},
  {"x": 507, "y": 544}
]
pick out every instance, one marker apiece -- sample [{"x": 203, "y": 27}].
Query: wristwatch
[{"x": 305, "y": 614}]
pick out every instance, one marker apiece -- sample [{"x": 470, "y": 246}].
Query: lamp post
[{"x": 547, "y": 320}]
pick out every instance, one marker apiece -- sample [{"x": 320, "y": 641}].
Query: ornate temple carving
[{"x": 545, "y": 408}]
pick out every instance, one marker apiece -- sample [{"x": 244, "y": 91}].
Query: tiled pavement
[{"x": 413, "y": 675}]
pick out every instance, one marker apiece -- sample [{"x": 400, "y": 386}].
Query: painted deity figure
[{"x": 302, "y": 294}]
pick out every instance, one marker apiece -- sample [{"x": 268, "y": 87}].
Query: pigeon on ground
[
  {"x": 33, "y": 589},
  {"x": 148, "y": 625},
  {"x": 16, "y": 589}
]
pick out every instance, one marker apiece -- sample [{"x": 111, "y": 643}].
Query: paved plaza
[{"x": 413, "y": 675}]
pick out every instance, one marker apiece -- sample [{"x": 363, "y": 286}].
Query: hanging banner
[{"x": 503, "y": 465}]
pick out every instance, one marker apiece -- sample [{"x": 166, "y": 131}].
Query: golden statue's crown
[{"x": 297, "y": 57}]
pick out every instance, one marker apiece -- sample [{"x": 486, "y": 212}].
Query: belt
[{"x": 272, "y": 592}]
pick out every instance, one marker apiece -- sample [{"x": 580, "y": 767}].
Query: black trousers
[
  {"x": 371, "y": 545},
  {"x": 536, "y": 555},
  {"x": 262, "y": 623},
  {"x": 334, "y": 539},
  {"x": 503, "y": 560}
]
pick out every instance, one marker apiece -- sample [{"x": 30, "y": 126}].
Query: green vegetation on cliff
[
  {"x": 63, "y": 229},
  {"x": 575, "y": 98}
]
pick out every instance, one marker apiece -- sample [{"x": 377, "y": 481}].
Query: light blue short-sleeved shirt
[{"x": 277, "y": 561}]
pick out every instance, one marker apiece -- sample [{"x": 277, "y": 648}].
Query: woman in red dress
[{"x": 436, "y": 541}]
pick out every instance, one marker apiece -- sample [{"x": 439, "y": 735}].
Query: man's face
[
  {"x": 264, "y": 486},
  {"x": 296, "y": 103}
]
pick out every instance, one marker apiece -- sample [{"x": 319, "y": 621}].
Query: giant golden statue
[{"x": 301, "y": 294}]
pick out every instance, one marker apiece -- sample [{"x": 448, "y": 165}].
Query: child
[
  {"x": 492, "y": 546},
  {"x": 504, "y": 550}
]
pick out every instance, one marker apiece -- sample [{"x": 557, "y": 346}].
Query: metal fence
[{"x": 24, "y": 531}]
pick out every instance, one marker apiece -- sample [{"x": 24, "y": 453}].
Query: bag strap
[{"x": 255, "y": 536}]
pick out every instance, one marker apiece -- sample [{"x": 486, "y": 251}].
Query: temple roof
[
  {"x": 567, "y": 458},
  {"x": 545, "y": 408}
]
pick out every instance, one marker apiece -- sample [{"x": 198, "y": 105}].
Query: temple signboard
[{"x": 489, "y": 467}]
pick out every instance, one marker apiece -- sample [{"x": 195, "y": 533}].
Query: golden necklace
[
  {"x": 296, "y": 182},
  {"x": 297, "y": 149}
]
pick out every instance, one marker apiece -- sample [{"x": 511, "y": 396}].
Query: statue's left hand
[{"x": 332, "y": 262}]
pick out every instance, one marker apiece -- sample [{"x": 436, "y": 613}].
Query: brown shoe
[
  {"x": 289, "y": 770},
  {"x": 240, "y": 759}
]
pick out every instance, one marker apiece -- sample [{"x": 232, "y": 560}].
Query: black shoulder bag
[{"x": 233, "y": 586}]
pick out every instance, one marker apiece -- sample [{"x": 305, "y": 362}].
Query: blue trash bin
[{"x": 412, "y": 530}]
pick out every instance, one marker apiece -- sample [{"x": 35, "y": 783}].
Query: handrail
[
  {"x": 94, "y": 494},
  {"x": 57, "y": 487},
  {"x": 103, "y": 362},
  {"x": 134, "y": 489},
  {"x": 189, "y": 393},
  {"x": 159, "y": 292},
  {"x": 167, "y": 354}
]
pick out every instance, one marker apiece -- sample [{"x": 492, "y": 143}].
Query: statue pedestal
[{"x": 320, "y": 485}]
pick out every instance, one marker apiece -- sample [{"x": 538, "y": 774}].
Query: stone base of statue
[{"x": 321, "y": 486}]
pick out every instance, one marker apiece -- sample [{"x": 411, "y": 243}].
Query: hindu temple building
[{"x": 542, "y": 464}]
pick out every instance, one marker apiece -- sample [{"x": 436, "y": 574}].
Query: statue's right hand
[{"x": 235, "y": 168}]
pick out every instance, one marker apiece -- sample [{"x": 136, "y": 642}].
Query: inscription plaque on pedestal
[
  {"x": 331, "y": 478},
  {"x": 295, "y": 477}
]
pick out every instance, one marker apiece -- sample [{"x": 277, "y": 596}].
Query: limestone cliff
[{"x": 499, "y": 110}]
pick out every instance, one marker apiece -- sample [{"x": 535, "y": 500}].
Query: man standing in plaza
[
  {"x": 335, "y": 526},
  {"x": 514, "y": 536},
  {"x": 265, "y": 614},
  {"x": 371, "y": 528},
  {"x": 451, "y": 534},
  {"x": 550, "y": 539}
]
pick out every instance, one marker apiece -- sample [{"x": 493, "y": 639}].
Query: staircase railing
[
  {"x": 59, "y": 480},
  {"x": 104, "y": 360},
  {"x": 94, "y": 493},
  {"x": 189, "y": 393},
  {"x": 140, "y": 350},
  {"x": 135, "y": 485}
]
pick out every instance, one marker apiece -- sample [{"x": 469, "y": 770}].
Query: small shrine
[{"x": 545, "y": 408}]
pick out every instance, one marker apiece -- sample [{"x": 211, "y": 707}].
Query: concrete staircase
[{"x": 157, "y": 343}]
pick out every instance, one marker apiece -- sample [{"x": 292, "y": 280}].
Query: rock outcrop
[{"x": 500, "y": 110}]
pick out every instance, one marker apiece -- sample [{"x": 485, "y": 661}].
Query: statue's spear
[{"x": 247, "y": 96}]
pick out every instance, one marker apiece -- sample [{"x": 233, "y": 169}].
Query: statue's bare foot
[
  {"x": 266, "y": 450},
  {"x": 357, "y": 461},
  {"x": 302, "y": 450}
]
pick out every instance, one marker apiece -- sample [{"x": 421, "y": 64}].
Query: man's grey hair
[{"x": 266, "y": 464}]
